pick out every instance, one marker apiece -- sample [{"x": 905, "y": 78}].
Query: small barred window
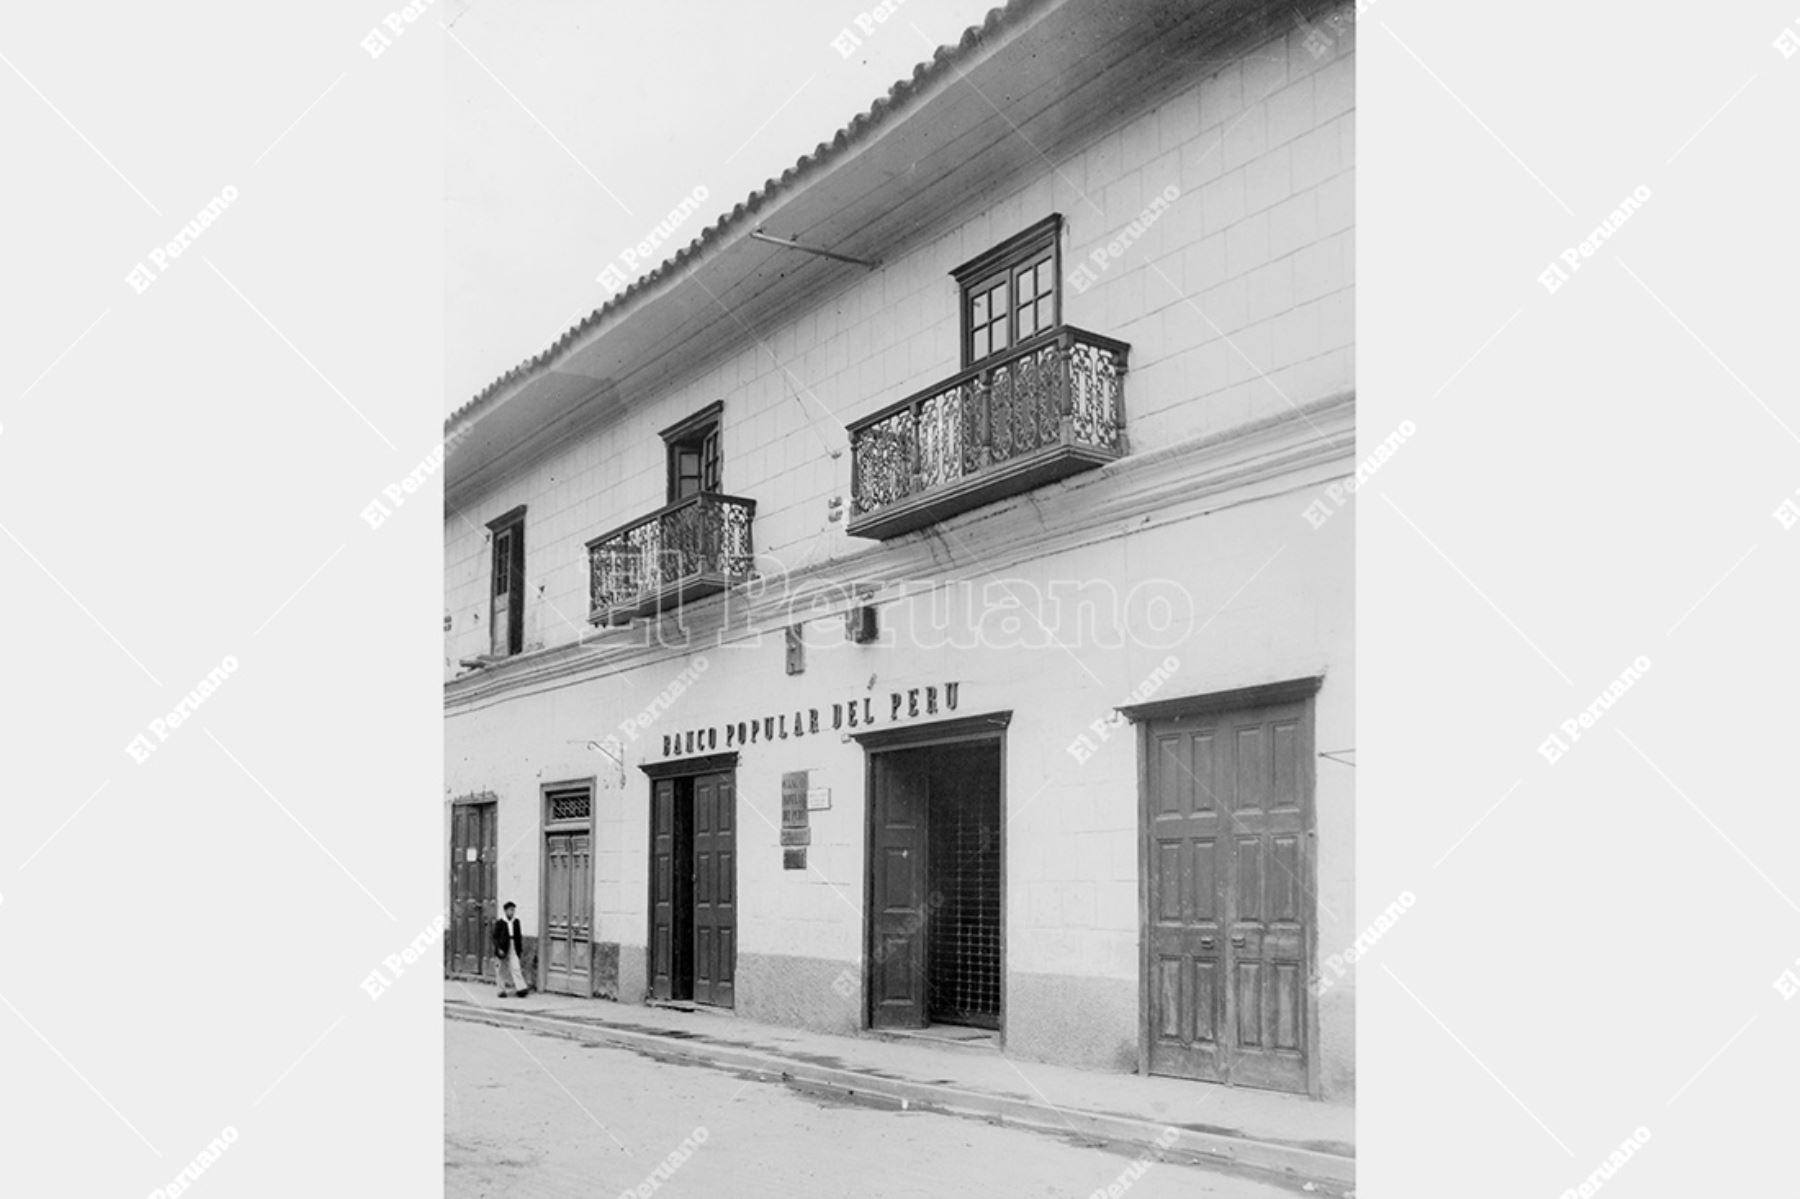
[{"x": 571, "y": 805}]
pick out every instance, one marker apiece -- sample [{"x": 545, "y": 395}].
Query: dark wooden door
[
  {"x": 1229, "y": 896},
  {"x": 568, "y": 912},
  {"x": 669, "y": 977},
  {"x": 473, "y": 866},
  {"x": 900, "y": 907},
  {"x": 715, "y": 888}
]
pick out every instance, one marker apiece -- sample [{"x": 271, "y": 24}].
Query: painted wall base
[
  {"x": 809, "y": 993},
  {"x": 634, "y": 978},
  {"x": 606, "y": 969},
  {"x": 1070, "y": 1020}
]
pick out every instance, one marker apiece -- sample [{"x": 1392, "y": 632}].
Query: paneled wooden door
[
  {"x": 693, "y": 888},
  {"x": 671, "y": 904},
  {"x": 1229, "y": 895},
  {"x": 715, "y": 888},
  {"x": 899, "y": 851},
  {"x": 568, "y": 912},
  {"x": 473, "y": 879}
]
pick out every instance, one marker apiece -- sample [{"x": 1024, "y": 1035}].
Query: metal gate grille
[{"x": 964, "y": 941}]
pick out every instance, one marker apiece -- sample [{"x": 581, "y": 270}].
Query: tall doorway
[
  {"x": 566, "y": 944},
  {"x": 1229, "y": 890},
  {"x": 693, "y": 887},
  {"x": 474, "y": 863},
  {"x": 935, "y": 885}
]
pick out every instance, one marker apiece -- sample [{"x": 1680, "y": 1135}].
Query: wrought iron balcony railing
[
  {"x": 689, "y": 549},
  {"x": 1052, "y": 406}
]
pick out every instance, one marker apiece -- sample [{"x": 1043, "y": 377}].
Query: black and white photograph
[{"x": 781, "y": 601}]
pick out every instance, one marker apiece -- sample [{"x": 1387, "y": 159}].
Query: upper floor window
[
  {"x": 506, "y": 611},
  {"x": 1013, "y": 292},
  {"x": 693, "y": 446}
]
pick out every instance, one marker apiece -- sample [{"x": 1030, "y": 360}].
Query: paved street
[{"x": 530, "y": 1115}]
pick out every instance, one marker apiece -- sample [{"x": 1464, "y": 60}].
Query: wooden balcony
[
  {"x": 680, "y": 553},
  {"x": 1049, "y": 408}
]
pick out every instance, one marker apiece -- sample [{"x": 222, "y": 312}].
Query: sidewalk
[{"x": 1289, "y": 1137}]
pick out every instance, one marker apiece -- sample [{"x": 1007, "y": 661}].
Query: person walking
[{"x": 509, "y": 943}]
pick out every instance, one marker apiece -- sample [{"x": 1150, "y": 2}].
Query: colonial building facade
[{"x": 909, "y": 609}]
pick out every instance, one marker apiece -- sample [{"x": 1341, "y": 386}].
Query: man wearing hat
[{"x": 509, "y": 943}]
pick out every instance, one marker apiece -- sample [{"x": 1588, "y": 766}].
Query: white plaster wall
[
  {"x": 1071, "y": 838},
  {"x": 1237, "y": 302},
  {"x": 1258, "y": 247}
]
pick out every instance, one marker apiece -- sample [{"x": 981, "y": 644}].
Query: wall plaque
[
  {"x": 795, "y": 831},
  {"x": 793, "y": 799}
]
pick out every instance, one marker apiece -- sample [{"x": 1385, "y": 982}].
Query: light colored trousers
[{"x": 512, "y": 974}]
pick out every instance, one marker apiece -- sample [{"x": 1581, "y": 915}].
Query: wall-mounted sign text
[{"x": 864, "y": 711}]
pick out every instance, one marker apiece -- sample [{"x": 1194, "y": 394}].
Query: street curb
[{"x": 1292, "y": 1163}]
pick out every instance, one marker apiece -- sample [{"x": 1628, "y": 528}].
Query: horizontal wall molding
[{"x": 1304, "y": 447}]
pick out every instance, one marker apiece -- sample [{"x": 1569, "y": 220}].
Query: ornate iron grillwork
[
  {"x": 1061, "y": 389},
  {"x": 571, "y": 805},
  {"x": 691, "y": 547}
]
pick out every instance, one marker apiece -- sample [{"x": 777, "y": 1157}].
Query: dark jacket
[{"x": 507, "y": 936}]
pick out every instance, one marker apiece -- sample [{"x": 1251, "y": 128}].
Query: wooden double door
[
  {"x": 568, "y": 946},
  {"x": 473, "y": 879},
  {"x": 935, "y": 886},
  {"x": 693, "y": 888},
  {"x": 1228, "y": 820}
]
